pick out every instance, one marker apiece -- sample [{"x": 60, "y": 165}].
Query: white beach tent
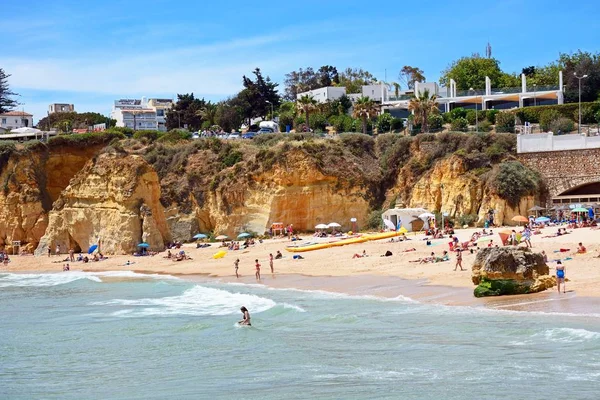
[{"x": 405, "y": 215}]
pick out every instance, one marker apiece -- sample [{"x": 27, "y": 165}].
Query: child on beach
[
  {"x": 236, "y": 264},
  {"x": 257, "y": 270}
]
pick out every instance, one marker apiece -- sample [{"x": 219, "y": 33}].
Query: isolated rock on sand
[{"x": 510, "y": 270}]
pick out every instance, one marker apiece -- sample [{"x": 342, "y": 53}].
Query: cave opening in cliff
[{"x": 74, "y": 245}]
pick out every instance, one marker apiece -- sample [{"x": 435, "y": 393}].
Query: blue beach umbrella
[
  {"x": 542, "y": 219},
  {"x": 200, "y": 236},
  {"x": 244, "y": 235},
  {"x": 144, "y": 245},
  {"x": 92, "y": 248}
]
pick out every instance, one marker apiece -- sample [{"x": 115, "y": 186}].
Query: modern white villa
[{"x": 449, "y": 97}]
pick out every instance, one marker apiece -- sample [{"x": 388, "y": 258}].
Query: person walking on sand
[
  {"x": 561, "y": 271},
  {"x": 236, "y": 264},
  {"x": 527, "y": 237},
  {"x": 49, "y": 251},
  {"x": 271, "y": 263},
  {"x": 58, "y": 249},
  {"x": 72, "y": 255},
  {"x": 245, "y": 317},
  {"x": 459, "y": 260},
  {"x": 257, "y": 270}
]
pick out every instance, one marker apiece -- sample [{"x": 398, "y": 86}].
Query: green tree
[
  {"x": 307, "y": 79},
  {"x": 581, "y": 63},
  {"x": 409, "y": 75},
  {"x": 228, "y": 115},
  {"x": 354, "y": 78},
  {"x": 423, "y": 105},
  {"x": 259, "y": 94},
  {"x": 6, "y": 102},
  {"x": 364, "y": 109},
  {"x": 384, "y": 122},
  {"x": 470, "y": 72},
  {"x": 306, "y": 104},
  {"x": 208, "y": 113},
  {"x": 186, "y": 112}
]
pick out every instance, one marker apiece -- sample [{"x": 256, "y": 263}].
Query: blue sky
[{"x": 92, "y": 52}]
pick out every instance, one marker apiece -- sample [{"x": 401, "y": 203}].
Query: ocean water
[{"x": 123, "y": 335}]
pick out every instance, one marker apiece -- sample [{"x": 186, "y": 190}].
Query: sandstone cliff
[{"x": 114, "y": 201}]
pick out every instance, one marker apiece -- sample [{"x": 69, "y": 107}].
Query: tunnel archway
[{"x": 587, "y": 189}]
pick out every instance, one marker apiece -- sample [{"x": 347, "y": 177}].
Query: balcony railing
[
  {"x": 467, "y": 93},
  {"x": 401, "y": 97},
  {"x": 506, "y": 90},
  {"x": 542, "y": 88}
]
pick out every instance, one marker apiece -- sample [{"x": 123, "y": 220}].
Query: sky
[{"x": 90, "y": 53}]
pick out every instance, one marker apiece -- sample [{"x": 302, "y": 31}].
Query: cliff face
[
  {"x": 31, "y": 181},
  {"x": 449, "y": 186},
  {"x": 114, "y": 201},
  {"x": 140, "y": 191}
]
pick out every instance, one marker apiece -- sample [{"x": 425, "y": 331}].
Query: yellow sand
[{"x": 583, "y": 271}]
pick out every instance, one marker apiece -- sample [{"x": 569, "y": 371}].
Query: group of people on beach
[{"x": 257, "y": 265}]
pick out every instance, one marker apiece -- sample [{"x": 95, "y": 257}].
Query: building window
[
  {"x": 160, "y": 113},
  {"x": 3, "y": 121}
]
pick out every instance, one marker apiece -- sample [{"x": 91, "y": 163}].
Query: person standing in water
[
  {"x": 245, "y": 317},
  {"x": 271, "y": 262},
  {"x": 257, "y": 270},
  {"x": 236, "y": 264},
  {"x": 560, "y": 276}
]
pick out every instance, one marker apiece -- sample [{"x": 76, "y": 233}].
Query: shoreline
[{"x": 335, "y": 270}]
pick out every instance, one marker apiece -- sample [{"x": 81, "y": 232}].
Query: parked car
[
  {"x": 249, "y": 135},
  {"x": 233, "y": 136},
  {"x": 265, "y": 130}
]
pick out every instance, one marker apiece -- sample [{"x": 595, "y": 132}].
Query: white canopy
[
  {"x": 334, "y": 225},
  {"x": 25, "y": 129},
  {"x": 426, "y": 215}
]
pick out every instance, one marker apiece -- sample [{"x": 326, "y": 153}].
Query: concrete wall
[
  {"x": 548, "y": 142},
  {"x": 324, "y": 94}
]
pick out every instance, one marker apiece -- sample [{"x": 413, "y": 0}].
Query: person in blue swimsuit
[{"x": 560, "y": 276}]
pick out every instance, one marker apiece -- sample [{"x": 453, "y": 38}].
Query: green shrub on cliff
[
  {"x": 512, "y": 181},
  {"x": 505, "y": 122},
  {"x": 84, "y": 139}
]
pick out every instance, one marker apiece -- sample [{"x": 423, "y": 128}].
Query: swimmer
[{"x": 246, "y": 317}]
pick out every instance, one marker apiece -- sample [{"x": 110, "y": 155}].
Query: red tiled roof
[{"x": 17, "y": 114}]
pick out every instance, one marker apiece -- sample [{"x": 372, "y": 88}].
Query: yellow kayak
[{"x": 343, "y": 242}]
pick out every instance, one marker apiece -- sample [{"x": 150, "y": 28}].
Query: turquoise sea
[{"x": 123, "y": 335}]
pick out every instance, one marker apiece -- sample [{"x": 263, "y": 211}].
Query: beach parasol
[
  {"x": 483, "y": 239},
  {"x": 389, "y": 224},
  {"x": 580, "y": 209},
  {"x": 321, "y": 226},
  {"x": 222, "y": 237},
  {"x": 426, "y": 215},
  {"x": 505, "y": 235},
  {"x": 200, "y": 236},
  {"x": 244, "y": 235},
  {"x": 334, "y": 225},
  {"x": 520, "y": 218},
  {"x": 92, "y": 248},
  {"x": 542, "y": 219},
  {"x": 144, "y": 245}
]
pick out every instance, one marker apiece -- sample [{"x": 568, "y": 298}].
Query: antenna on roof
[{"x": 488, "y": 50}]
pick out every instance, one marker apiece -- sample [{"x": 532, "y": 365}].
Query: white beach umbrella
[
  {"x": 321, "y": 226},
  {"x": 334, "y": 225},
  {"x": 389, "y": 224},
  {"x": 426, "y": 215}
]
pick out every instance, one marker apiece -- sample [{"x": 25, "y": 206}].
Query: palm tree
[
  {"x": 208, "y": 113},
  {"x": 306, "y": 104},
  {"x": 364, "y": 108},
  {"x": 423, "y": 105}
]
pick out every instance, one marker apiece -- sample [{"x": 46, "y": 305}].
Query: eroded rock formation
[{"x": 510, "y": 270}]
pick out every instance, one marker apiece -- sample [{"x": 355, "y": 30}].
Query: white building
[
  {"x": 324, "y": 94},
  {"x": 162, "y": 107},
  {"x": 60, "y": 107},
  {"x": 15, "y": 120}
]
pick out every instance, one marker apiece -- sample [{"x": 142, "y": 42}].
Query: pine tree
[{"x": 6, "y": 103}]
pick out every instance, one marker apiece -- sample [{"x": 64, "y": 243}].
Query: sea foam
[
  {"x": 63, "y": 278},
  {"x": 197, "y": 301},
  {"x": 570, "y": 335}
]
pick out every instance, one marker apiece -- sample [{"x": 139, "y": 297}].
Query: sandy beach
[{"x": 583, "y": 270}]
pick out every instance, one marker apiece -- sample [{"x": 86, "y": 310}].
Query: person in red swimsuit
[{"x": 257, "y": 270}]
